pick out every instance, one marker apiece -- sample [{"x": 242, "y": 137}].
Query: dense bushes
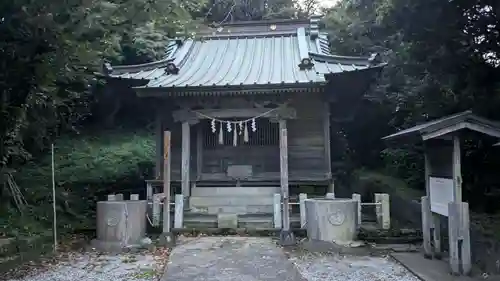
[{"x": 86, "y": 168}]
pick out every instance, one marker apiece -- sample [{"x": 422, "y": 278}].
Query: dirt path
[{"x": 228, "y": 259}]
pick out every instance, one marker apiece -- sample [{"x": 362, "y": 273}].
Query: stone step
[
  {"x": 249, "y": 209},
  {"x": 201, "y": 191},
  {"x": 236, "y": 200},
  {"x": 249, "y": 221}
]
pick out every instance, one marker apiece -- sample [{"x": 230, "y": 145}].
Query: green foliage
[
  {"x": 434, "y": 69},
  {"x": 49, "y": 54},
  {"x": 86, "y": 169},
  {"x": 224, "y": 11},
  {"x": 88, "y": 159}
]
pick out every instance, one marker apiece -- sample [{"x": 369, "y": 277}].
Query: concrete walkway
[
  {"x": 426, "y": 269},
  {"x": 228, "y": 259}
]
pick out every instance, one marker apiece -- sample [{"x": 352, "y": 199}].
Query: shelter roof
[
  {"x": 263, "y": 53},
  {"x": 448, "y": 125}
]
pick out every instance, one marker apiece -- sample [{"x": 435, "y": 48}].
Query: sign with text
[{"x": 441, "y": 193}]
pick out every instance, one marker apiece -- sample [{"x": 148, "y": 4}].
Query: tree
[
  {"x": 49, "y": 53},
  {"x": 442, "y": 58}
]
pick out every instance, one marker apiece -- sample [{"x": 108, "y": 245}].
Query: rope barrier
[{"x": 236, "y": 122}]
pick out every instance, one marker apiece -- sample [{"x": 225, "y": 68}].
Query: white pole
[{"x": 54, "y": 199}]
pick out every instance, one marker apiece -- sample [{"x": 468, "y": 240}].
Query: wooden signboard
[{"x": 441, "y": 194}]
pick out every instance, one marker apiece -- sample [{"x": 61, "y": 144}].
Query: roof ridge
[{"x": 267, "y": 22}]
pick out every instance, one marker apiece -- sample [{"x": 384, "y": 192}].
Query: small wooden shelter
[
  {"x": 443, "y": 178},
  {"x": 225, "y": 94}
]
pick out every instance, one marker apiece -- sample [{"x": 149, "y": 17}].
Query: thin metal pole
[{"x": 54, "y": 198}]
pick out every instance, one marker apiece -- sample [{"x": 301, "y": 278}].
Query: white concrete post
[
  {"x": 383, "y": 208},
  {"x": 302, "y": 205},
  {"x": 277, "y": 210},
  {"x": 149, "y": 191},
  {"x": 156, "y": 210},
  {"x": 179, "y": 211},
  {"x": 331, "y": 187},
  {"x": 426, "y": 226},
  {"x": 377, "y": 199},
  {"x": 330, "y": 195},
  {"x": 119, "y": 197},
  {"x": 459, "y": 233},
  {"x": 357, "y": 197},
  {"x": 134, "y": 197},
  {"x": 111, "y": 197}
]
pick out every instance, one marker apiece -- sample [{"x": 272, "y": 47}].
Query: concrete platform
[{"x": 428, "y": 270}]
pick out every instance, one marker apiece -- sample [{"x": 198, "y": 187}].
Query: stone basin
[{"x": 331, "y": 220}]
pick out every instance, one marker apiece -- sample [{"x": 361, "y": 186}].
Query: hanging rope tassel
[
  {"x": 221, "y": 134},
  {"x": 235, "y": 135},
  {"x": 245, "y": 133}
]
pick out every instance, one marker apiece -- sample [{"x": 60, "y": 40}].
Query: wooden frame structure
[{"x": 441, "y": 139}]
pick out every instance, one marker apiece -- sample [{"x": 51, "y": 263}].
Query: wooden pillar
[
  {"x": 199, "y": 151},
  {"x": 185, "y": 168},
  {"x": 459, "y": 238},
  {"x": 426, "y": 226},
  {"x": 284, "y": 174},
  {"x": 457, "y": 170},
  {"x": 167, "y": 159},
  {"x": 426, "y": 210},
  {"x": 326, "y": 135},
  {"x": 286, "y": 235},
  {"x": 158, "y": 145}
]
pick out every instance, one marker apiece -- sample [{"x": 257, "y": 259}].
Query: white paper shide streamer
[{"x": 238, "y": 128}]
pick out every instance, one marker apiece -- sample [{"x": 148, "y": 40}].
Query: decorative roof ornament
[
  {"x": 314, "y": 26},
  {"x": 171, "y": 68},
  {"x": 107, "y": 68},
  {"x": 375, "y": 58},
  {"x": 306, "y": 63}
]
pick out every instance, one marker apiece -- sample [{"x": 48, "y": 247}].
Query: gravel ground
[
  {"x": 332, "y": 267},
  {"x": 94, "y": 266}
]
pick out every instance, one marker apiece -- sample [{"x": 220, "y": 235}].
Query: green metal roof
[{"x": 246, "y": 54}]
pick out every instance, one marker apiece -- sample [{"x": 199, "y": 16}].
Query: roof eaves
[
  {"x": 340, "y": 59},
  {"x": 246, "y": 87},
  {"x": 121, "y": 69},
  {"x": 431, "y": 126}
]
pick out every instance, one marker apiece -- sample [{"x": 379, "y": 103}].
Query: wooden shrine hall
[{"x": 226, "y": 95}]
